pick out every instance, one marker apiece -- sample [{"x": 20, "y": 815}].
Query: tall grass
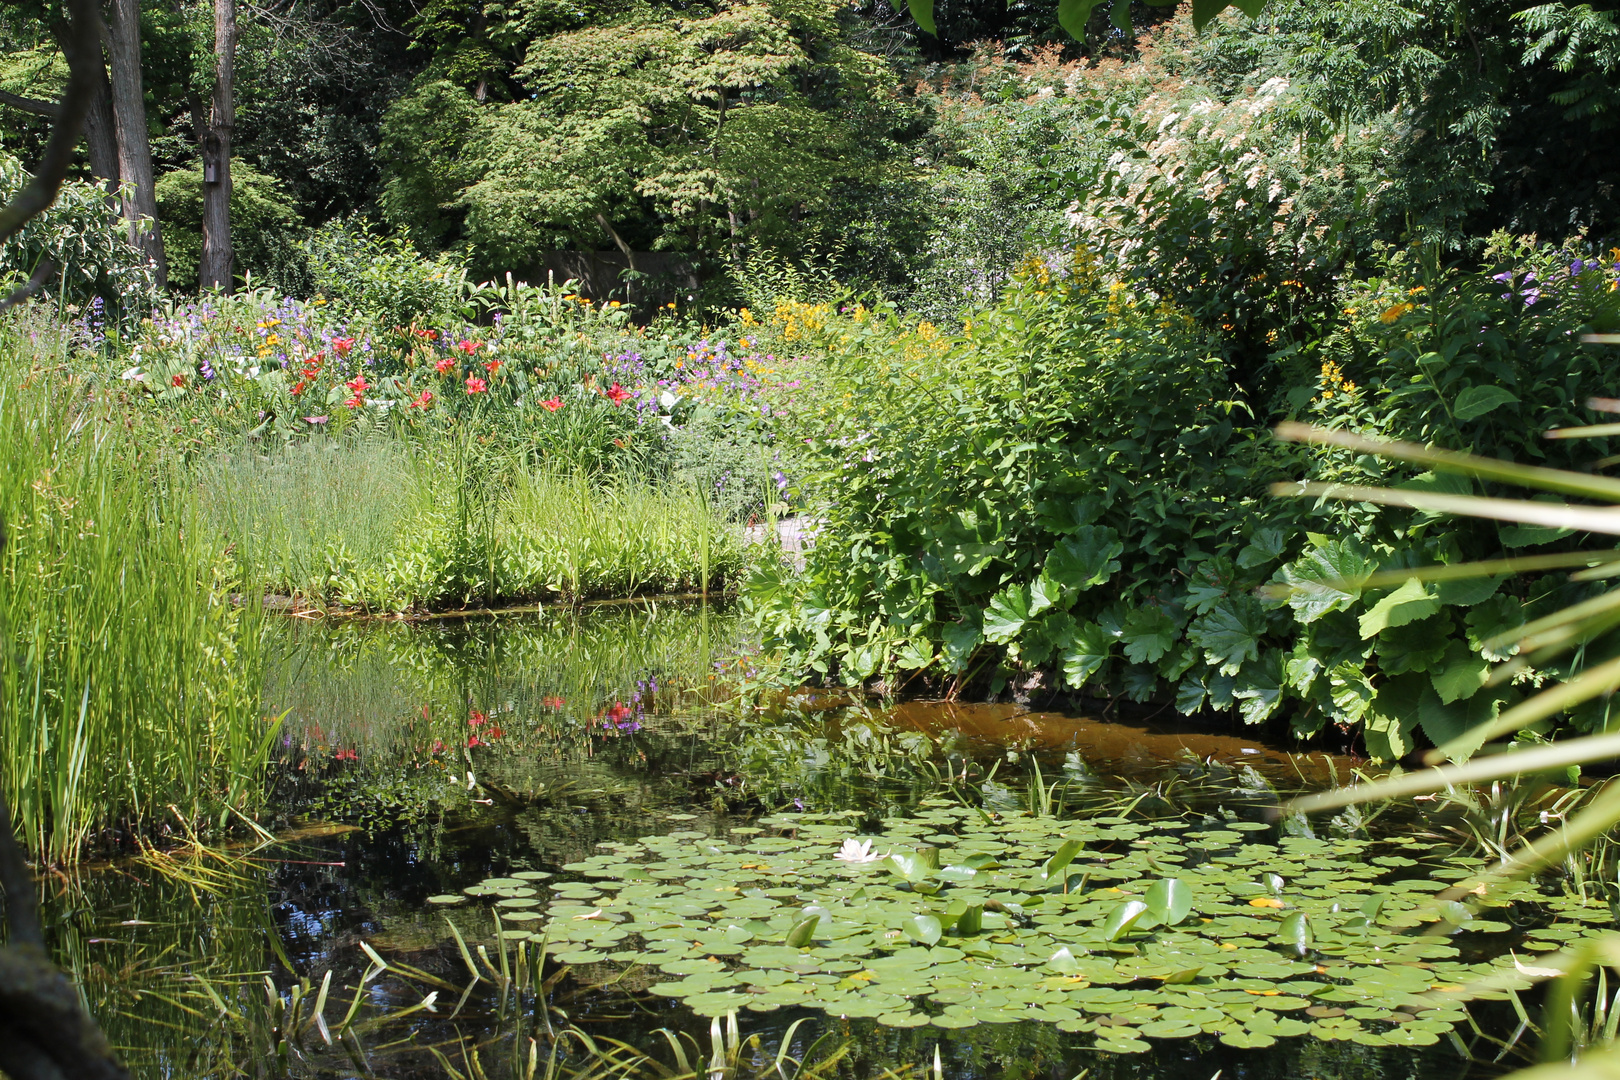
[
  {"x": 383, "y": 524},
  {"x": 129, "y": 682}
]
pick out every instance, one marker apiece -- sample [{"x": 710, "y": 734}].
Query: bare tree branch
[
  {"x": 41, "y": 191},
  {"x": 42, "y": 273},
  {"x": 31, "y": 105}
]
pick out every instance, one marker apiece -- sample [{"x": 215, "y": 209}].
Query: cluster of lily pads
[{"x": 1124, "y": 929}]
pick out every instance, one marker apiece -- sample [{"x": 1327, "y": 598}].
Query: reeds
[{"x": 129, "y": 681}]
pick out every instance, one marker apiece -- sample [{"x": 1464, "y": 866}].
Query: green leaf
[
  {"x": 971, "y": 921},
  {"x": 1120, "y": 921},
  {"x": 1350, "y": 692},
  {"x": 1230, "y": 634},
  {"x": 1089, "y": 557},
  {"x": 1087, "y": 653},
  {"x": 923, "y": 928},
  {"x": 1444, "y": 722},
  {"x": 1009, "y": 610},
  {"x": 1120, "y": 15},
  {"x": 1476, "y": 401},
  {"x": 1326, "y": 578},
  {"x": 957, "y": 644},
  {"x": 1044, "y": 593},
  {"x": 1149, "y": 632},
  {"x": 923, "y": 12},
  {"x": 1060, "y": 860},
  {"x": 1409, "y": 603},
  {"x": 1296, "y": 931},
  {"x": 908, "y": 865},
  {"x": 1466, "y": 592},
  {"x": 1268, "y": 545},
  {"x": 802, "y": 932},
  {"x": 1259, "y": 687},
  {"x": 1073, "y": 15},
  {"x": 1393, "y": 716},
  {"x": 1169, "y": 901},
  {"x": 1460, "y": 675}
]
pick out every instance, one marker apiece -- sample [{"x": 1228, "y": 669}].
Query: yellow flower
[{"x": 1395, "y": 311}]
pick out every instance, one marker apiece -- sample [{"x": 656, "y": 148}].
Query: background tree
[{"x": 217, "y": 254}]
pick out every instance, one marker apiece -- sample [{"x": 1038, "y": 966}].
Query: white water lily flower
[{"x": 858, "y": 851}]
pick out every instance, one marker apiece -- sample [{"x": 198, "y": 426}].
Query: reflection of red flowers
[
  {"x": 342, "y": 345},
  {"x": 617, "y": 394},
  {"x": 552, "y": 702},
  {"x": 618, "y": 712},
  {"x": 468, "y": 347},
  {"x": 178, "y": 380},
  {"x": 551, "y": 404},
  {"x": 492, "y": 366},
  {"x": 477, "y": 719},
  {"x": 445, "y": 366},
  {"x": 475, "y": 385},
  {"x": 358, "y": 384}
]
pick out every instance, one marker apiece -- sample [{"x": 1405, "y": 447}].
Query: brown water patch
[{"x": 1123, "y": 746}]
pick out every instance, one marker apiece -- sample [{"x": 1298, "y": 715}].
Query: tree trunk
[
  {"x": 134, "y": 148},
  {"x": 217, "y": 254}
]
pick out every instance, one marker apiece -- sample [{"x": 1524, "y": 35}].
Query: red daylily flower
[
  {"x": 358, "y": 384},
  {"x": 298, "y": 388},
  {"x": 492, "y": 366},
  {"x": 617, "y": 394},
  {"x": 476, "y": 741},
  {"x": 355, "y": 402},
  {"x": 468, "y": 347},
  {"x": 477, "y": 719},
  {"x": 178, "y": 380},
  {"x": 342, "y": 345},
  {"x": 551, "y": 404},
  {"x": 496, "y": 733},
  {"x": 445, "y": 366},
  {"x": 475, "y": 385},
  {"x": 552, "y": 702},
  {"x": 423, "y": 400}
]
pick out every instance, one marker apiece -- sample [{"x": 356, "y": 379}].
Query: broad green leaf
[
  {"x": 1409, "y": 603},
  {"x": 1466, "y": 592},
  {"x": 1326, "y": 579},
  {"x": 908, "y": 865},
  {"x": 1043, "y": 594},
  {"x": 1169, "y": 901},
  {"x": 1063, "y": 962},
  {"x": 1073, "y": 14},
  {"x": 1060, "y": 860},
  {"x": 923, "y": 928},
  {"x": 1120, "y": 921},
  {"x": 1009, "y": 610},
  {"x": 802, "y": 932},
  {"x": 1268, "y": 545},
  {"x": 1393, "y": 716},
  {"x": 971, "y": 921},
  {"x": 1477, "y": 401},
  {"x": 1149, "y": 632},
  {"x": 957, "y": 643},
  {"x": 1350, "y": 692},
  {"x": 1089, "y": 557},
  {"x": 1461, "y": 725},
  {"x": 1086, "y": 654},
  {"x": 1296, "y": 931},
  {"x": 1259, "y": 687},
  {"x": 1460, "y": 675},
  {"x": 1230, "y": 634},
  {"x": 923, "y": 12}
]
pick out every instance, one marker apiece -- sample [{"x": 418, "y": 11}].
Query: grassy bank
[
  {"x": 385, "y": 524},
  {"x": 129, "y": 683}
]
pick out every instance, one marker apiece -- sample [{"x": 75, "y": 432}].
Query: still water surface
[{"x": 419, "y": 759}]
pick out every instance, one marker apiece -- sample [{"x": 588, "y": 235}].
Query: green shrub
[
  {"x": 1071, "y": 495},
  {"x": 264, "y": 225},
  {"x": 83, "y": 233}
]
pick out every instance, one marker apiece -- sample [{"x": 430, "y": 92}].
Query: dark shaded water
[{"x": 421, "y": 759}]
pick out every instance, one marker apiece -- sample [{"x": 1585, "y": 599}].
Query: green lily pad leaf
[
  {"x": 1061, "y": 858},
  {"x": 1296, "y": 931},
  {"x": 1120, "y": 921},
  {"x": 923, "y": 928},
  {"x": 971, "y": 921},
  {"x": 447, "y": 900},
  {"x": 802, "y": 932},
  {"x": 1169, "y": 901}
]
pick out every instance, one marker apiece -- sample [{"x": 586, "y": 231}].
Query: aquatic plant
[
  {"x": 1126, "y": 930},
  {"x": 129, "y": 678}
]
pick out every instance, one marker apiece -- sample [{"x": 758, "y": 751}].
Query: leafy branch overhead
[{"x": 1074, "y": 14}]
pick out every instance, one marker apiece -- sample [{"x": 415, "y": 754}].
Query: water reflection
[{"x": 454, "y": 752}]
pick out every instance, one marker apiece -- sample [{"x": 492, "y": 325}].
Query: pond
[{"x": 541, "y": 844}]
